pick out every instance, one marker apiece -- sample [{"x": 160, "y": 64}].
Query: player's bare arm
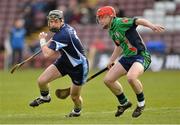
[
  {"x": 155, "y": 27},
  {"x": 44, "y": 45},
  {"x": 117, "y": 51}
]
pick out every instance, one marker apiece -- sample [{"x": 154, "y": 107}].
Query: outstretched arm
[{"x": 146, "y": 23}]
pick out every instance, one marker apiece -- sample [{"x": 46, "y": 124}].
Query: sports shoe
[
  {"x": 138, "y": 111},
  {"x": 74, "y": 114},
  {"x": 122, "y": 108},
  {"x": 40, "y": 100}
]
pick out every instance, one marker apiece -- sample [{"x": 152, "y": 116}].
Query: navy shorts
[
  {"x": 144, "y": 59},
  {"x": 78, "y": 74}
]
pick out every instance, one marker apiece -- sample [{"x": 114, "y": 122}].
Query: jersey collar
[
  {"x": 112, "y": 23},
  {"x": 62, "y": 26}
]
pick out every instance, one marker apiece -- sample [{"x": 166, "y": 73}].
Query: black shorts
[{"x": 78, "y": 74}]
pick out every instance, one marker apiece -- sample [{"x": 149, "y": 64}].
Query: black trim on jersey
[
  {"x": 117, "y": 44},
  {"x": 134, "y": 38},
  {"x": 134, "y": 22}
]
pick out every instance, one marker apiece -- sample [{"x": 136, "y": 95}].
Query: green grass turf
[{"x": 162, "y": 92}]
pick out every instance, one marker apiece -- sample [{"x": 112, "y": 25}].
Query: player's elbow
[
  {"x": 139, "y": 21},
  {"x": 47, "y": 53}
]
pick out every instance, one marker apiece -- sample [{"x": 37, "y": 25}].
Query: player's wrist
[
  {"x": 43, "y": 42},
  {"x": 112, "y": 60}
]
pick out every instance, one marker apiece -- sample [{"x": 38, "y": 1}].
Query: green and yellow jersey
[{"x": 124, "y": 34}]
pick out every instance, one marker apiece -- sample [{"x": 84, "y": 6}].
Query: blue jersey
[
  {"x": 69, "y": 45},
  {"x": 17, "y": 38}
]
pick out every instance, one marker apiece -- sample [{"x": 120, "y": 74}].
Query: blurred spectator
[
  {"x": 17, "y": 39},
  {"x": 38, "y": 8},
  {"x": 1, "y": 47},
  {"x": 72, "y": 14},
  {"x": 88, "y": 13},
  {"x": 67, "y": 15},
  {"x": 120, "y": 13},
  {"x": 39, "y": 5},
  {"x": 76, "y": 17},
  {"x": 119, "y": 10},
  {"x": 34, "y": 13},
  {"x": 7, "y": 54},
  {"x": 97, "y": 46},
  {"x": 92, "y": 15},
  {"x": 81, "y": 13},
  {"x": 1, "y": 55},
  {"x": 164, "y": 0},
  {"x": 51, "y": 5},
  {"x": 39, "y": 19},
  {"x": 27, "y": 15}
]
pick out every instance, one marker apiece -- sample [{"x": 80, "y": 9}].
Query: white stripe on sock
[{"x": 142, "y": 103}]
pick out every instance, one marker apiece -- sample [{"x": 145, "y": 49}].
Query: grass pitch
[{"x": 162, "y": 93}]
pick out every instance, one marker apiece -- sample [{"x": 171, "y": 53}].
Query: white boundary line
[{"x": 87, "y": 113}]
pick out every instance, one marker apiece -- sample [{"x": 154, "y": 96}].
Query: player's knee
[
  {"x": 131, "y": 79},
  {"x": 108, "y": 81},
  {"x": 75, "y": 97},
  {"x": 41, "y": 80}
]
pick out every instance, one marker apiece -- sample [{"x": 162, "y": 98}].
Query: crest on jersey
[{"x": 125, "y": 20}]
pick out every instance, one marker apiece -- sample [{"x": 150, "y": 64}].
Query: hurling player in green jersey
[{"x": 135, "y": 58}]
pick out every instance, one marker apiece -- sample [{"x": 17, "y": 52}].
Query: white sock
[
  {"x": 125, "y": 103},
  {"x": 45, "y": 97},
  {"x": 76, "y": 112},
  {"x": 140, "y": 104}
]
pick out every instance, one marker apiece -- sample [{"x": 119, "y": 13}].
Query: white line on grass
[
  {"x": 86, "y": 113},
  {"x": 146, "y": 109}
]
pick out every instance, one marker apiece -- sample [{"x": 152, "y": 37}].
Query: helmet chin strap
[{"x": 109, "y": 25}]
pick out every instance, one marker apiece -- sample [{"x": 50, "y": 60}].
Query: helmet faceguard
[{"x": 54, "y": 15}]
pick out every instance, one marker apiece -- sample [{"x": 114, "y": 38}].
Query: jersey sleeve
[{"x": 58, "y": 42}]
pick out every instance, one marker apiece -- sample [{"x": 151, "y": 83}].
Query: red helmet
[{"x": 106, "y": 10}]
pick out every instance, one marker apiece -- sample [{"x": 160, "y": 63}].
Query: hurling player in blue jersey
[{"x": 72, "y": 61}]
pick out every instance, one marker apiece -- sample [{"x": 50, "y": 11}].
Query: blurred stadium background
[
  {"x": 81, "y": 14},
  {"x": 165, "y": 50}
]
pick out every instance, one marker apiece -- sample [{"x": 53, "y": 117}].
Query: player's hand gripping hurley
[{"x": 42, "y": 37}]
